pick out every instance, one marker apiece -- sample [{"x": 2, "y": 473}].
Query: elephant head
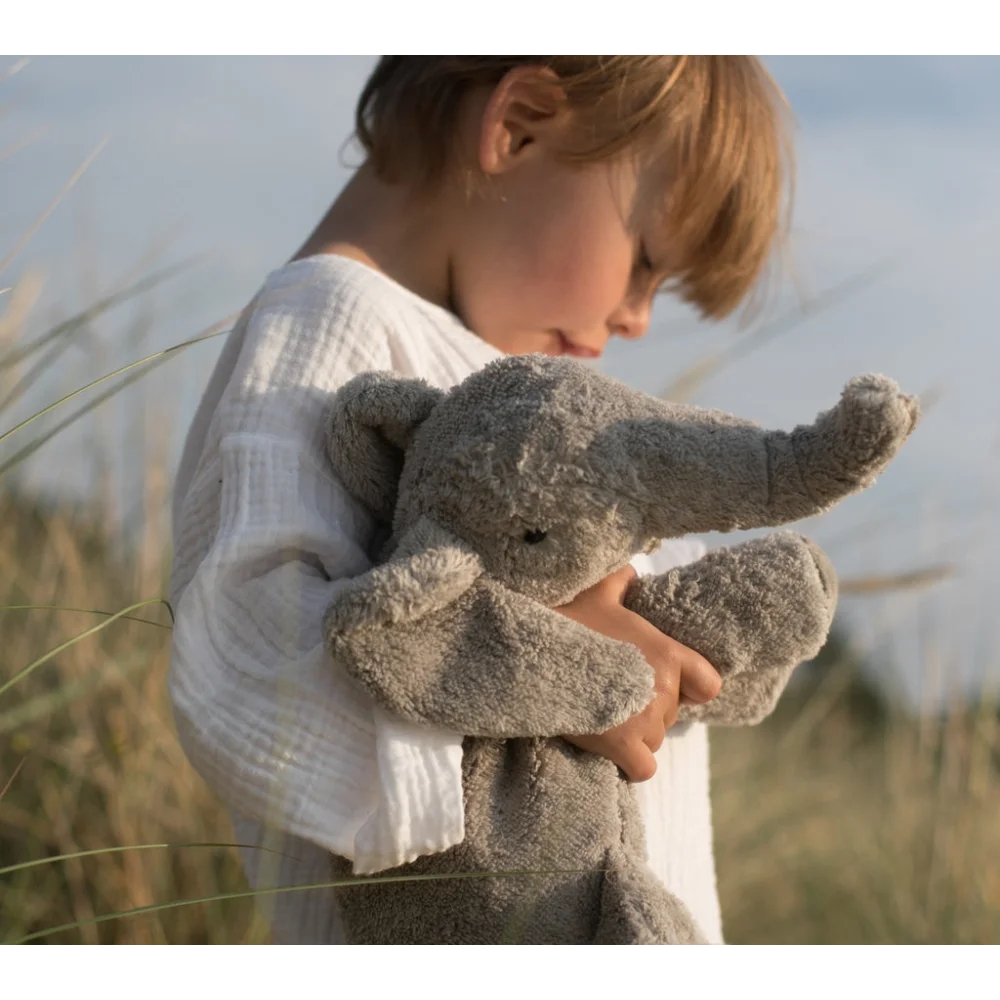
[{"x": 552, "y": 474}]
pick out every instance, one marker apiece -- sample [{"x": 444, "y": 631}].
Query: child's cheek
[
  {"x": 591, "y": 286},
  {"x": 560, "y": 268},
  {"x": 544, "y": 278}
]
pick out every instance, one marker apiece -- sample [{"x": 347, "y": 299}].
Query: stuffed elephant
[{"x": 504, "y": 498}]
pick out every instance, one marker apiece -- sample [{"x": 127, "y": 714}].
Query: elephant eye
[{"x": 534, "y": 537}]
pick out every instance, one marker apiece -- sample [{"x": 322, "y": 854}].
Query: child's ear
[
  {"x": 527, "y": 107},
  {"x": 372, "y": 423}
]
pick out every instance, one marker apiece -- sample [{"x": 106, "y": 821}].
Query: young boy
[{"x": 508, "y": 204}]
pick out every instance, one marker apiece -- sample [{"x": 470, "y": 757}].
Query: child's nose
[{"x": 630, "y": 320}]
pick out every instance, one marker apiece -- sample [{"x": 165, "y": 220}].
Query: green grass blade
[
  {"x": 29, "y": 449},
  {"x": 84, "y": 611},
  {"x": 152, "y": 360},
  {"x": 19, "y": 354},
  {"x": 43, "y": 365},
  {"x": 75, "y": 639},
  {"x": 247, "y": 893},
  {"x": 38, "y": 862}
]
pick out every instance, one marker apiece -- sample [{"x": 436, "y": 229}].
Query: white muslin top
[{"x": 264, "y": 535}]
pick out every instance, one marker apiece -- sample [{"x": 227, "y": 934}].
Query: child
[{"x": 507, "y": 205}]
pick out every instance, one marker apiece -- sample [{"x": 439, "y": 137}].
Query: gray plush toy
[{"x": 507, "y": 496}]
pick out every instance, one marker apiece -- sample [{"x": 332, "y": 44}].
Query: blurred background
[{"x": 144, "y": 200}]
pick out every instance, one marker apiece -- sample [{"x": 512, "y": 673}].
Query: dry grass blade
[
  {"x": 25, "y": 294},
  {"x": 930, "y": 398},
  {"x": 86, "y": 611},
  {"x": 688, "y": 382},
  {"x": 14, "y": 68},
  {"x": 41, "y": 367},
  {"x": 31, "y": 667},
  {"x": 51, "y": 207},
  {"x": 916, "y": 579},
  {"x": 8, "y": 783},
  {"x": 45, "y": 707},
  {"x": 153, "y": 361},
  {"x": 15, "y": 147},
  {"x": 345, "y": 884}
]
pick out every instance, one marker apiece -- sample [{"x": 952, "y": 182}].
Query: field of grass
[
  {"x": 839, "y": 820},
  {"x": 859, "y": 826}
]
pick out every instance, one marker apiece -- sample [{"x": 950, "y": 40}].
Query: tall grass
[
  {"x": 840, "y": 819},
  {"x": 857, "y": 830},
  {"x": 90, "y": 738}
]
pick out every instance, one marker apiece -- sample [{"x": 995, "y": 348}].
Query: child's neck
[{"x": 386, "y": 227}]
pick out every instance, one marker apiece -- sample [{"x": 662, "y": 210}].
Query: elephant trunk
[{"x": 718, "y": 473}]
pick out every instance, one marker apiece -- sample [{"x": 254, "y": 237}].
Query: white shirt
[{"x": 264, "y": 535}]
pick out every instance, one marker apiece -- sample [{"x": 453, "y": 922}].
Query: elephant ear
[
  {"x": 434, "y": 640},
  {"x": 429, "y": 570},
  {"x": 372, "y": 422}
]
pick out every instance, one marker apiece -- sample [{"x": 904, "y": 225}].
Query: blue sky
[{"x": 899, "y": 159}]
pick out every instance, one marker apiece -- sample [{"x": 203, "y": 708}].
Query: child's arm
[
  {"x": 436, "y": 643},
  {"x": 681, "y": 676},
  {"x": 266, "y": 537}
]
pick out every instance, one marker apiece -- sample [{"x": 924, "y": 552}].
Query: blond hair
[{"x": 720, "y": 122}]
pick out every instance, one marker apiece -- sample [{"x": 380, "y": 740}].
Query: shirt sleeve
[{"x": 280, "y": 735}]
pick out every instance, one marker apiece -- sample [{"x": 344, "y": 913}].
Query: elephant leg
[{"x": 637, "y": 909}]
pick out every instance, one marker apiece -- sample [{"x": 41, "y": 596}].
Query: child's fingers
[
  {"x": 681, "y": 673},
  {"x": 614, "y": 587},
  {"x": 636, "y": 760},
  {"x": 699, "y": 681},
  {"x": 630, "y": 746}
]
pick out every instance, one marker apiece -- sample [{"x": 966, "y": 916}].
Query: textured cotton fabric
[{"x": 264, "y": 536}]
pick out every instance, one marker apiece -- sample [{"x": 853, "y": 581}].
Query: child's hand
[{"x": 681, "y": 676}]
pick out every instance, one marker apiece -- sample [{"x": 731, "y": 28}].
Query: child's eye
[{"x": 644, "y": 262}]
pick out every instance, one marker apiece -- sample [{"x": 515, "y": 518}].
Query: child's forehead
[
  {"x": 641, "y": 183},
  {"x": 652, "y": 193}
]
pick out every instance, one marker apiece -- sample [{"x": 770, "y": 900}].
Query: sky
[{"x": 236, "y": 158}]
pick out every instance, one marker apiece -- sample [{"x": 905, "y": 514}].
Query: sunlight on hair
[{"x": 720, "y": 123}]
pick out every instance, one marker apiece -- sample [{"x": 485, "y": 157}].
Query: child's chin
[{"x": 555, "y": 345}]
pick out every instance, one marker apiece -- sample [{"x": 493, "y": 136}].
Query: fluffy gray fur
[{"x": 455, "y": 626}]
